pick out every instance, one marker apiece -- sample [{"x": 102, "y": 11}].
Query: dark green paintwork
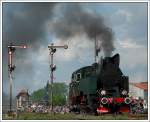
[{"x": 89, "y": 86}]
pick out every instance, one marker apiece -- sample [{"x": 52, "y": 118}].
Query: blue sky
[{"x": 129, "y": 24}]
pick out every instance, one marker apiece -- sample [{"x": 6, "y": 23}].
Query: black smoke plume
[
  {"x": 76, "y": 20},
  {"x": 26, "y": 23}
]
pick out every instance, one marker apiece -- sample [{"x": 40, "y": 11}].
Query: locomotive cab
[{"x": 83, "y": 81}]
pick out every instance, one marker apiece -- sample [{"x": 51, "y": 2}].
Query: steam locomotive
[{"x": 101, "y": 87}]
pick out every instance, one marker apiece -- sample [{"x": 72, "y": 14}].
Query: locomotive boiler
[{"x": 101, "y": 87}]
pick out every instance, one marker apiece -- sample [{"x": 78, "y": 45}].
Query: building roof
[
  {"x": 23, "y": 92},
  {"x": 141, "y": 85}
]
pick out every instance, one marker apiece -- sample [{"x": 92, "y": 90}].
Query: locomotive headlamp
[
  {"x": 104, "y": 100},
  {"x": 127, "y": 100},
  {"x": 24, "y": 46},
  {"x": 103, "y": 92},
  {"x": 124, "y": 92}
]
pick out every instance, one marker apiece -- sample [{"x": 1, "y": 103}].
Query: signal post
[
  {"x": 11, "y": 68},
  {"x": 52, "y": 49}
]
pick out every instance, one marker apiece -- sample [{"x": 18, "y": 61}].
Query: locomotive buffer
[{"x": 52, "y": 49}]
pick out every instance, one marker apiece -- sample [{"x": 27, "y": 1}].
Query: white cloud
[
  {"x": 133, "y": 54},
  {"x": 130, "y": 43},
  {"x": 42, "y": 55},
  {"x": 124, "y": 13},
  {"x": 138, "y": 77},
  {"x": 120, "y": 18},
  {"x": 129, "y": 19},
  {"x": 133, "y": 59},
  {"x": 78, "y": 48}
]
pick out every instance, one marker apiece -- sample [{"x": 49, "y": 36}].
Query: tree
[{"x": 59, "y": 93}]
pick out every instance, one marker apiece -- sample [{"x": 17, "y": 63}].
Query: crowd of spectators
[
  {"x": 41, "y": 108},
  {"x": 138, "y": 106}
]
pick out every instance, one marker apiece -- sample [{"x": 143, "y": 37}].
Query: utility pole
[
  {"x": 52, "y": 49},
  {"x": 11, "y": 68}
]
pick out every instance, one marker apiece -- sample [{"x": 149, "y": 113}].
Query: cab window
[{"x": 78, "y": 76}]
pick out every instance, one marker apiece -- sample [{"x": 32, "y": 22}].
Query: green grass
[{"x": 70, "y": 116}]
